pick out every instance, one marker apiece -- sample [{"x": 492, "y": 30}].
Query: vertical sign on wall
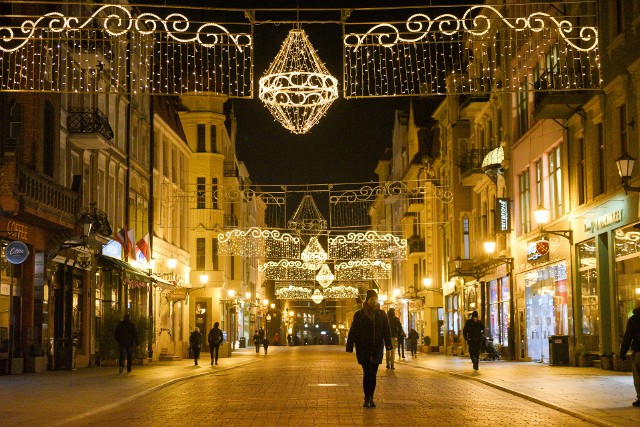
[{"x": 503, "y": 215}]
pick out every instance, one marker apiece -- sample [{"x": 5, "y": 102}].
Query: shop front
[{"x": 453, "y": 312}]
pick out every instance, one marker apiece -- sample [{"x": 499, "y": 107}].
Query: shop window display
[
  {"x": 590, "y": 302},
  {"x": 627, "y": 255}
]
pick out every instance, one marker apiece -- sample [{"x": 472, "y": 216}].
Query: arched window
[
  {"x": 15, "y": 128},
  {"x": 49, "y": 139}
]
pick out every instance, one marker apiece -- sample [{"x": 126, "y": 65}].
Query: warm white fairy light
[
  {"x": 285, "y": 270},
  {"x": 325, "y": 277},
  {"x": 313, "y": 256},
  {"x": 368, "y": 245},
  {"x": 297, "y": 88},
  {"x": 293, "y": 292},
  {"x": 363, "y": 269},
  {"x": 317, "y": 296},
  {"x": 256, "y": 241},
  {"x": 340, "y": 292}
]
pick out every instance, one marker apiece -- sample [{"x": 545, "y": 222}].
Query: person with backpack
[
  {"x": 215, "y": 338},
  {"x": 195, "y": 341}
]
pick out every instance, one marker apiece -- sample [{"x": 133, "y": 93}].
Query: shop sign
[
  {"x": 503, "y": 215},
  {"x": 112, "y": 249},
  {"x": 603, "y": 221},
  {"x": 21, "y": 232},
  {"x": 16, "y": 252},
  {"x": 537, "y": 249}
]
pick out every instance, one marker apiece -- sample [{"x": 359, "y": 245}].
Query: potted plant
[
  {"x": 606, "y": 360},
  {"x": 584, "y": 359},
  {"x": 426, "y": 344}
]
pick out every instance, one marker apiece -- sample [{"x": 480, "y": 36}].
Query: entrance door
[{"x": 540, "y": 320}]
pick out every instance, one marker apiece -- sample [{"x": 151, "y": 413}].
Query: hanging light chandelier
[
  {"x": 317, "y": 296},
  {"x": 313, "y": 255},
  {"x": 325, "y": 276},
  {"x": 297, "y": 88}
]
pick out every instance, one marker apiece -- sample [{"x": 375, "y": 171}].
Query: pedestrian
[
  {"x": 256, "y": 341},
  {"x": 265, "y": 344},
  {"x": 127, "y": 337},
  {"x": 195, "y": 340},
  {"x": 413, "y": 342},
  {"x": 396, "y": 328},
  {"x": 276, "y": 339},
  {"x": 215, "y": 338},
  {"x": 401, "y": 337},
  {"x": 370, "y": 333},
  {"x": 473, "y": 333},
  {"x": 632, "y": 339}
]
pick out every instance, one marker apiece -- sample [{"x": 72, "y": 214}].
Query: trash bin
[
  {"x": 242, "y": 342},
  {"x": 559, "y": 350}
]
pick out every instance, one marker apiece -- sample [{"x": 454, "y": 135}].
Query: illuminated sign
[
  {"x": 16, "y": 252},
  {"x": 603, "y": 221},
  {"x": 503, "y": 215},
  {"x": 537, "y": 249}
]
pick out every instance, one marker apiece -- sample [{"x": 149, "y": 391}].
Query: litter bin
[
  {"x": 559, "y": 350},
  {"x": 242, "y": 342}
]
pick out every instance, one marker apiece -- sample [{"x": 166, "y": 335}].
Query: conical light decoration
[
  {"x": 313, "y": 255},
  {"x": 297, "y": 88},
  {"x": 325, "y": 276},
  {"x": 317, "y": 296}
]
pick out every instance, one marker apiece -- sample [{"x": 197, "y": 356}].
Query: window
[
  {"x": 213, "y": 138},
  {"x": 539, "y": 193},
  {"x": 214, "y": 253},
  {"x": 232, "y": 268},
  {"x": 600, "y": 174},
  {"x": 200, "y": 254},
  {"x": 580, "y": 173},
  {"x": 214, "y": 193},
  {"x": 200, "y": 193},
  {"x": 619, "y": 16},
  {"x": 15, "y": 128},
  {"x": 49, "y": 140},
  {"x": 466, "y": 238},
  {"x": 555, "y": 183},
  {"x": 523, "y": 109},
  {"x": 416, "y": 276},
  {"x": 589, "y": 294},
  {"x": 201, "y": 135},
  {"x": 525, "y": 202}
]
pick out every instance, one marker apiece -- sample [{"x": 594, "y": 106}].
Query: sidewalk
[{"x": 592, "y": 394}]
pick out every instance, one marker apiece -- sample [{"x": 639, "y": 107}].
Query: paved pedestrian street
[{"x": 312, "y": 385}]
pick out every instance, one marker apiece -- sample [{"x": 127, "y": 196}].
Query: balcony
[
  {"x": 551, "y": 103},
  {"x": 25, "y": 191},
  {"x": 230, "y": 221},
  {"x": 471, "y": 165},
  {"x": 230, "y": 169},
  {"x": 416, "y": 202},
  {"x": 416, "y": 244},
  {"x": 89, "y": 129}
]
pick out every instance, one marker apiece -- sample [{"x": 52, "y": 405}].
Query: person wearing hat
[
  {"x": 473, "y": 333},
  {"x": 195, "y": 340},
  {"x": 370, "y": 333}
]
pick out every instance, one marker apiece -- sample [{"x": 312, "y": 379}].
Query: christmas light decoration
[
  {"x": 340, "y": 292},
  {"x": 259, "y": 242},
  {"x": 362, "y": 270},
  {"x": 369, "y": 245},
  {"x": 325, "y": 276},
  {"x": 317, "y": 296},
  {"x": 297, "y": 88},
  {"x": 285, "y": 270},
  {"x": 293, "y": 292},
  {"x": 307, "y": 216},
  {"x": 313, "y": 256}
]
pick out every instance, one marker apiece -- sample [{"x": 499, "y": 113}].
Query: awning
[
  {"x": 494, "y": 158},
  {"x": 133, "y": 273},
  {"x": 163, "y": 283}
]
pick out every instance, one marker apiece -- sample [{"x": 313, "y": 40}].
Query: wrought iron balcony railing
[
  {"x": 471, "y": 160},
  {"x": 230, "y": 169},
  {"x": 89, "y": 120}
]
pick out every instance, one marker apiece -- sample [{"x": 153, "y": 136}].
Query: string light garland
[
  {"x": 259, "y": 242},
  {"x": 313, "y": 256},
  {"x": 297, "y": 88},
  {"x": 285, "y": 270},
  {"x": 363, "y": 269},
  {"x": 325, "y": 277},
  {"x": 293, "y": 292},
  {"x": 369, "y": 245},
  {"x": 340, "y": 292}
]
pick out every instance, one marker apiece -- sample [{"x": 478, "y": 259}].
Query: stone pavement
[{"x": 592, "y": 394}]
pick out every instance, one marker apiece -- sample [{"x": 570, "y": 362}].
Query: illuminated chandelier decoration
[
  {"x": 297, "y": 88},
  {"x": 341, "y": 292},
  {"x": 317, "y": 296},
  {"x": 313, "y": 255},
  {"x": 325, "y": 277}
]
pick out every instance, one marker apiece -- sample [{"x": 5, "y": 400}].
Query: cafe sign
[
  {"x": 16, "y": 252},
  {"x": 537, "y": 249}
]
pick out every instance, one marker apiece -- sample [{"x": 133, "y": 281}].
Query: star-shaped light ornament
[{"x": 297, "y": 88}]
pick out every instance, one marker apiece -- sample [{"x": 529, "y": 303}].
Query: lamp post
[
  {"x": 625, "y": 164},
  {"x": 542, "y": 215}
]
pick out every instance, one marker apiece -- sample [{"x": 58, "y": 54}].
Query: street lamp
[
  {"x": 204, "y": 279},
  {"x": 541, "y": 216},
  {"x": 625, "y": 164}
]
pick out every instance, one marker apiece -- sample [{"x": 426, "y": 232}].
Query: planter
[
  {"x": 621, "y": 365},
  {"x": 35, "y": 364},
  {"x": 584, "y": 360},
  {"x": 606, "y": 363},
  {"x": 425, "y": 349},
  {"x": 17, "y": 365}
]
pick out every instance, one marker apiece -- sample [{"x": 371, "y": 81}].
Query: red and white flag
[
  {"x": 131, "y": 243},
  {"x": 143, "y": 246}
]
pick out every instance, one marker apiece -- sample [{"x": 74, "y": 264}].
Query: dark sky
[{"x": 346, "y": 144}]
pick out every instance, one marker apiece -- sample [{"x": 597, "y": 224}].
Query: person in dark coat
[
  {"x": 396, "y": 328},
  {"x": 632, "y": 339},
  {"x": 413, "y": 341},
  {"x": 195, "y": 340},
  {"x": 127, "y": 337},
  {"x": 215, "y": 338},
  {"x": 257, "y": 341},
  {"x": 265, "y": 344},
  {"x": 370, "y": 333},
  {"x": 473, "y": 333}
]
